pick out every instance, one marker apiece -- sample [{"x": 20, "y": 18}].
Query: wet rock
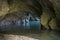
[
  {"x": 49, "y": 10},
  {"x": 18, "y": 23},
  {"x": 4, "y": 7},
  {"x": 49, "y": 18}
]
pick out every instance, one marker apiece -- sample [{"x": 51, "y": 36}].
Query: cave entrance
[{"x": 31, "y": 22}]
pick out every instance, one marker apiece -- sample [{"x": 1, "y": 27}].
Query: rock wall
[
  {"x": 49, "y": 10},
  {"x": 48, "y": 15},
  {"x": 4, "y": 8}
]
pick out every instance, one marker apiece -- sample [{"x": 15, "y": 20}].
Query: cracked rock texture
[{"x": 47, "y": 10}]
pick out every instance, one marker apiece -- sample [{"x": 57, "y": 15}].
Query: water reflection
[
  {"x": 25, "y": 23},
  {"x": 18, "y": 23}
]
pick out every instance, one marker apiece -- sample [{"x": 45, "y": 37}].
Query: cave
[{"x": 29, "y": 19}]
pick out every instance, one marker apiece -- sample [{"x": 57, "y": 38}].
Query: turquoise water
[
  {"x": 33, "y": 25},
  {"x": 41, "y": 35}
]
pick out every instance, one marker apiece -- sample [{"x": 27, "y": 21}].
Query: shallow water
[
  {"x": 32, "y": 25},
  {"x": 18, "y": 33}
]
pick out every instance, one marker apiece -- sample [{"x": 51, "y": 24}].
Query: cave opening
[{"x": 11, "y": 22}]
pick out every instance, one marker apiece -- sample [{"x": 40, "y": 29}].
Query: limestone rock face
[
  {"x": 48, "y": 15},
  {"x": 49, "y": 10},
  {"x": 4, "y": 8},
  {"x": 56, "y": 4}
]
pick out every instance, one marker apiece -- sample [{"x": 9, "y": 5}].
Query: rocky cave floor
[{"x": 30, "y": 35}]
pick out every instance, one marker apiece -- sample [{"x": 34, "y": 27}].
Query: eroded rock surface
[{"x": 47, "y": 10}]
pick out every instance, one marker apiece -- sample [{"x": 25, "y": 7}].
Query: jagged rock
[
  {"x": 47, "y": 18},
  {"x": 4, "y": 7},
  {"x": 49, "y": 10}
]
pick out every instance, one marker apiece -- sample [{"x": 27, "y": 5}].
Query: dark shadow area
[
  {"x": 26, "y": 23},
  {"x": 42, "y": 35}
]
